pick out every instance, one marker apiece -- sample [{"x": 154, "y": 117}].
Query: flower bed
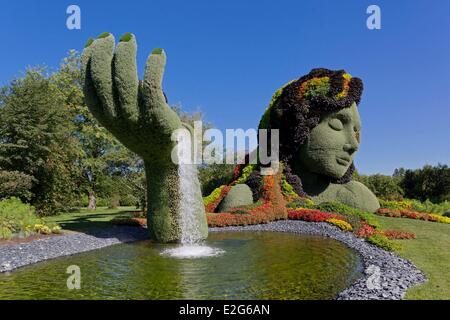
[
  {"x": 361, "y": 229},
  {"x": 393, "y": 213},
  {"x": 312, "y": 215},
  {"x": 398, "y": 235},
  {"x": 272, "y": 207}
]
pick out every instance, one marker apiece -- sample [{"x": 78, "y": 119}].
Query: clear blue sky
[{"x": 228, "y": 57}]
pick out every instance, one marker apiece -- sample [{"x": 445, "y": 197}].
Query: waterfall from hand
[{"x": 191, "y": 207}]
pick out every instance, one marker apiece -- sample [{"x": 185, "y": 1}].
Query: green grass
[
  {"x": 430, "y": 252},
  {"x": 85, "y": 220}
]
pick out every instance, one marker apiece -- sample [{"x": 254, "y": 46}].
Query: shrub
[
  {"x": 392, "y": 234},
  {"x": 365, "y": 231},
  {"x": 383, "y": 242},
  {"x": 415, "y": 205},
  {"x": 212, "y": 201},
  {"x": 384, "y": 187},
  {"x": 114, "y": 202},
  {"x": 312, "y": 215},
  {"x": 19, "y": 219},
  {"x": 302, "y": 203},
  {"x": 341, "y": 208},
  {"x": 343, "y": 225},
  {"x": 392, "y": 213},
  {"x": 134, "y": 221}
]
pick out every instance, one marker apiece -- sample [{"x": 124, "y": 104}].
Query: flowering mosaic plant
[{"x": 393, "y": 213}]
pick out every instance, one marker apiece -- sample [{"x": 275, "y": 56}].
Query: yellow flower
[{"x": 343, "y": 225}]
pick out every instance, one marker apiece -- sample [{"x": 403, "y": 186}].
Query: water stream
[{"x": 191, "y": 207}]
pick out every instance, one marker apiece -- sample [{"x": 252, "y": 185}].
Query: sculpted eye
[{"x": 336, "y": 124}]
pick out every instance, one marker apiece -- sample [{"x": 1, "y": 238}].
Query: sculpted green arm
[{"x": 137, "y": 114}]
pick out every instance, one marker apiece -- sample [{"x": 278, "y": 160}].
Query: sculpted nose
[{"x": 352, "y": 147}]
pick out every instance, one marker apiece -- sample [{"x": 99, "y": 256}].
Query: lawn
[
  {"x": 85, "y": 220},
  {"x": 430, "y": 252}
]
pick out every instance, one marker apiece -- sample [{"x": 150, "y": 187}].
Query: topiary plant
[{"x": 137, "y": 114}]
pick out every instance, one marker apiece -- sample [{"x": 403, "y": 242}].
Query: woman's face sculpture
[{"x": 332, "y": 144}]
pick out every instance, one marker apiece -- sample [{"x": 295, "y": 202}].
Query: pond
[{"x": 252, "y": 265}]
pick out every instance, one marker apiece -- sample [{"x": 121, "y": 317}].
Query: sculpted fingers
[
  {"x": 101, "y": 72},
  {"x": 126, "y": 77},
  {"x": 154, "y": 71}
]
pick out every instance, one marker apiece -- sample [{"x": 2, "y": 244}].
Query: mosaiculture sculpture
[
  {"x": 319, "y": 134},
  {"x": 137, "y": 114}
]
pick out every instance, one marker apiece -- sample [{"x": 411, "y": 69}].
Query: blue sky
[{"x": 228, "y": 57}]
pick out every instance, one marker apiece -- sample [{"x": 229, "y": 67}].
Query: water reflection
[{"x": 251, "y": 266}]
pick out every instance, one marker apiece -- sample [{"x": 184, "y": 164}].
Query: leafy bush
[
  {"x": 384, "y": 187},
  {"x": 15, "y": 184},
  {"x": 302, "y": 203},
  {"x": 312, "y": 215},
  {"x": 430, "y": 182},
  {"x": 393, "y": 234},
  {"x": 128, "y": 201},
  {"x": 214, "y": 175},
  {"x": 341, "y": 224},
  {"x": 341, "y": 208},
  {"x": 19, "y": 219},
  {"x": 416, "y": 205},
  {"x": 383, "y": 242},
  {"x": 393, "y": 213}
]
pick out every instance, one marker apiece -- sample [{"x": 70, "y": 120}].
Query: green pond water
[{"x": 253, "y": 266}]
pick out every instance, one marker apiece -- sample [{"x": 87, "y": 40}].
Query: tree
[
  {"x": 36, "y": 139},
  {"x": 383, "y": 186},
  {"x": 430, "y": 182}
]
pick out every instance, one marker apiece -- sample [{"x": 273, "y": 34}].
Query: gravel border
[
  {"x": 388, "y": 275},
  {"x": 23, "y": 254}
]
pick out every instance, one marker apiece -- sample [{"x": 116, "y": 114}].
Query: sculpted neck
[{"x": 313, "y": 183}]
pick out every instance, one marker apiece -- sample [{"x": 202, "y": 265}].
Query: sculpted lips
[{"x": 343, "y": 160}]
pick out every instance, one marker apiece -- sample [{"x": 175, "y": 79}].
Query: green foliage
[
  {"x": 302, "y": 203},
  {"x": 383, "y": 242},
  {"x": 245, "y": 173},
  {"x": 418, "y": 206},
  {"x": 15, "y": 183},
  {"x": 126, "y": 37},
  {"x": 265, "y": 120},
  {"x": 36, "y": 139},
  {"x": 430, "y": 182},
  {"x": 19, "y": 219},
  {"x": 213, "y": 196},
  {"x": 213, "y": 175},
  {"x": 384, "y": 187},
  {"x": 340, "y": 208}
]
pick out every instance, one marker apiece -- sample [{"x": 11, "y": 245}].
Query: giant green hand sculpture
[{"x": 137, "y": 114}]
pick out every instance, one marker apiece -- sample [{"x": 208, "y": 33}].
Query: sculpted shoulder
[{"x": 358, "y": 195}]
